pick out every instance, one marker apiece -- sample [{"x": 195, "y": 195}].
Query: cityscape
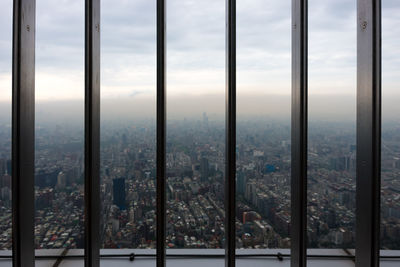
[
  {"x": 195, "y": 184},
  {"x": 195, "y": 73}
]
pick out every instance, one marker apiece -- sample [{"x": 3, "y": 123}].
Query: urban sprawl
[{"x": 195, "y": 185}]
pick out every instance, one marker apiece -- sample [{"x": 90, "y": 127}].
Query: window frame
[{"x": 368, "y": 133}]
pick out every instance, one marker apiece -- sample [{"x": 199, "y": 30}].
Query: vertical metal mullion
[
  {"x": 92, "y": 133},
  {"x": 368, "y": 132},
  {"x": 230, "y": 128},
  {"x": 23, "y": 132},
  {"x": 299, "y": 134},
  {"x": 161, "y": 132}
]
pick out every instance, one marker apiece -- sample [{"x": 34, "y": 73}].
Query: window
[
  {"x": 263, "y": 125},
  {"x": 332, "y": 125},
  {"x": 195, "y": 125},
  {"x": 135, "y": 185},
  {"x": 59, "y": 135},
  {"x": 128, "y": 144},
  {"x": 390, "y": 222},
  {"x": 5, "y": 125}
]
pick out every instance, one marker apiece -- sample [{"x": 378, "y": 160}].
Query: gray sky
[{"x": 196, "y": 56}]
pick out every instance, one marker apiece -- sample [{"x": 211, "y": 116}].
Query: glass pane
[
  {"x": 195, "y": 125},
  {"x": 263, "y": 124},
  {"x": 128, "y": 141},
  {"x": 5, "y": 128},
  {"x": 59, "y": 136},
  {"x": 390, "y": 204},
  {"x": 332, "y": 124}
]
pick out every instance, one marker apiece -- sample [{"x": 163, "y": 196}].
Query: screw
[
  {"x": 132, "y": 257},
  {"x": 364, "y": 25},
  {"x": 279, "y": 256}
]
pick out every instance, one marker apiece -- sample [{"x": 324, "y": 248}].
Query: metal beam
[
  {"x": 230, "y": 129},
  {"x": 92, "y": 133},
  {"x": 299, "y": 134},
  {"x": 23, "y": 132},
  {"x": 161, "y": 132},
  {"x": 368, "y": 132}
]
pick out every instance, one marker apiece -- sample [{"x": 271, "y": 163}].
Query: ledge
[{"x": 198, "y": 258}]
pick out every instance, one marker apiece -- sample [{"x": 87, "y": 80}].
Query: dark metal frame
[
  {"x": 133, "y": 256},
  {"x": 368, "y": 132},
  {"x": 368, "y": 135},
  {"x": 299, "y": 134},
  {"x": 92, "y": 133},
  {"x": 23, "y": 133},
  {"x": 230, "y": 129},
  {"x": 161, "y": 132}
]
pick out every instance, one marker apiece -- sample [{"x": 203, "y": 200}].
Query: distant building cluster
[{"x": 195, "y": 186}]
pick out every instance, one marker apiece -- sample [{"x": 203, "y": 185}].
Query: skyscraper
[
  {"x": 119, "y": 193},
  {"x": 241, "y": 183},
  {"x": 204, "y": 169},
  {"x": 2, "y": 166},
  {"x": 61, "y": 180},
  {"x": 205, "y": 120}
]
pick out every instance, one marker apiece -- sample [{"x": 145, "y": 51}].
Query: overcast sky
[{"x": 196, "y": 50}]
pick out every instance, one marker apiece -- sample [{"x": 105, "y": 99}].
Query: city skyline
[
  {"x": 195, "y": 137},
  {"x": 195, "y": 167}
]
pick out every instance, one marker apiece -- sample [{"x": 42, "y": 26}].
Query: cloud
[
  {"x": 5, "y": 40},
  {"x": 196, "y": 47}
]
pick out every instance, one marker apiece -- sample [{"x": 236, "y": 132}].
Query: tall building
[
  {"x": 204, "y": 169},
  {"x": 2, "y": 166},
  {"x": 241, "y": 182},
  {"x": 119, "y": 193},
  {"x": 205, "y": 120},
  {"x": 9, "y": 167},
  {"x": 61, "y": 180}
]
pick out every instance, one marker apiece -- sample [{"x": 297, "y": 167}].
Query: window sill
[{"x": 200, "y": 260}]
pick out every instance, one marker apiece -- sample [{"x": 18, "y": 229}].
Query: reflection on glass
[
  {"x": 59, "y": 158},
  {"x": 5, "y": 123},
  {"x": 195, "y": 125},
  {"x": 332, "y": 126},
  {"x": 263, "y": 124},
  {"x": 390, "y": 176},
  {"x": 128, "y": 133}
]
